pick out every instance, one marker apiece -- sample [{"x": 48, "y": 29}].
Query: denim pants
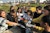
[{"x": 28, "y": 30}]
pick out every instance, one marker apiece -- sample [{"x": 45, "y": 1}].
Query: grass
[{"x": 6, "y": 7}]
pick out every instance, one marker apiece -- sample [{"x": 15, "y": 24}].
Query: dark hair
[
  {"x": 19, "y": 8},
  {"x": 30, "y": 12},
  {"x": 39, "y": 7},
  {"x": 11, "y": 11},
  {"x": 46, "y": 19},
  {"x": 47, "y": 7},
  {"x": 1, "y": 12}
]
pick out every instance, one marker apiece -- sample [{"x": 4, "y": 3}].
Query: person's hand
[
  {"x": 25, "y": 20},
  {"x": 18, "y": 15},
  {"x": 34, "y": 26},
  {"x": 21, "y": 18},
  {"x": 16, "y": 24}
]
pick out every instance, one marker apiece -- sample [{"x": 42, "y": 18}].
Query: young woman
[
  {"x": 4, "y": 22},
  {"x": 19, "y": 14},
  {"x": 20, "y": 19},
  {"x": 28, "y": 16},
  {"x": 28, "y": 20},
  {"x": 11, "y": 16}
]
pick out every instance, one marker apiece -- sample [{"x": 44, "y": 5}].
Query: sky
[
  {"x": 6, "y": 0},
  {"x": 42, "y": 0},
  {"x": 16, "y": 0}
]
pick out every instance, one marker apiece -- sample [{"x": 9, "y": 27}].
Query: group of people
[{"x": 25, "y": 19}]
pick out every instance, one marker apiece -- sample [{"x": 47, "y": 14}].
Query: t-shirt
[
  {"x": 4, "y": 22},
  {"x": 4, "y": 25},
  {"x": 36, "y": 15},
  {"x": 28, "y": 24},
  {"x": 19, "y": 16},
  {"x": 10, "y": 17},
  {"x": 25, "y": 16},
  {"x": 45, "y": 32}
]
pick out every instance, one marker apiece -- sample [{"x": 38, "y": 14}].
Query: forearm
[
  {"x": 29, "y": 25},
  {"x": 12, "y": 23}
]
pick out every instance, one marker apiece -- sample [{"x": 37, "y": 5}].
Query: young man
[
  {"x": 45, "y": 13},
  {"x": 38, "y": 12},
  {"x": 46, "y": 10},
  {"x": 46, "y": 19},
  {"x": 46, "y": 24}
]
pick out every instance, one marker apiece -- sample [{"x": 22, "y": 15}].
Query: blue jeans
[{"x": 28, "y": 30}]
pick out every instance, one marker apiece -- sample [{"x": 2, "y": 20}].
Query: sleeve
[
  {"x": 4, "y": 24},
  {"x": 29, "y": 24},
  {"x": 5, "y": 21},
  {"x": 9, "y": 17},
  {"x": 25, "y": 16},
  {"x": 38, "y": 20}
]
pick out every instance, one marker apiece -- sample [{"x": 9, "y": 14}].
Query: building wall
[{"x": 37, "y": 1}]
